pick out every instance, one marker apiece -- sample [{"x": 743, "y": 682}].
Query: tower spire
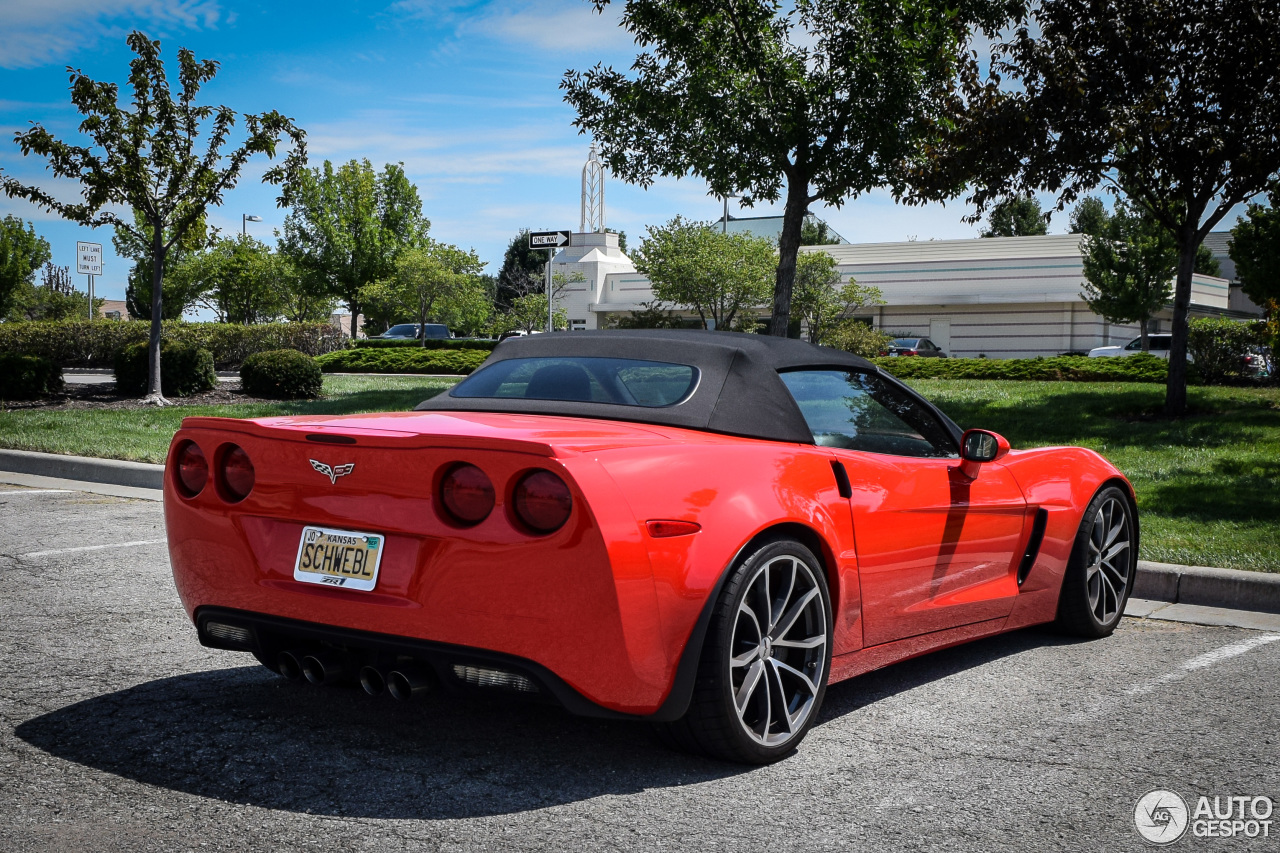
[{"x": 592, "y": 194}]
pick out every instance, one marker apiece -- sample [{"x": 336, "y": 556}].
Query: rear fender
[{"x": 737, "y": 493}]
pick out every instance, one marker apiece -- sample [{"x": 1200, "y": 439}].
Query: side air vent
[{"x": 1033, "y": 544}]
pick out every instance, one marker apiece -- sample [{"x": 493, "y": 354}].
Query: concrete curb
[
  {"x": 1208, "y": 587},
  {"x": 138, "y": 475},
  {"x": 1168, "y": 582}
]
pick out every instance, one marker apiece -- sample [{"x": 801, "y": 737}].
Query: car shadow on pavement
[
  {"x": 244, "y": 735},
  {"x": 850, "y": 696}
]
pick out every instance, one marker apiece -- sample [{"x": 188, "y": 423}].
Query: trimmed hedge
[
  {"x": 1219, "y": 347},
  {"x": 184, "y": 369},
  {"x": 402, "y": 360},
  {"x": 94, "y": 343},
  {"x": 282, "y": 374},
  {"x": 28, "y": 377},
  {"x": 1072, "y": 368},
  {"x": 432, "y": 343}
]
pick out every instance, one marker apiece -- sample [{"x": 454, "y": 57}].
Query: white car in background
[{"x": 1157, "y": 344}]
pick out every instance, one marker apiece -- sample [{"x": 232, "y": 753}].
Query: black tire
[
  {"x": 1101, "y": 570},
  {"x": 787, "y": 663}
]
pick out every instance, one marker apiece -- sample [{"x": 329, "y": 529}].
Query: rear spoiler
[{"x": 342, "y": 431}]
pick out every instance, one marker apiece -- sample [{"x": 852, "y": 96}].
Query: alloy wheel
[
  {"x": 778, "y": 650},
  {"x": 1108, "y": 564}
]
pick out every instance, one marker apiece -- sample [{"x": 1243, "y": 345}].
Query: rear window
[
  {"x": 909, "y": 343},
  {"x": 620, "y": 381}
]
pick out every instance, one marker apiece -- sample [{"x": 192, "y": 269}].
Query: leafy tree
[
  {"x": 819, "y": 100},
  {"x": 858, "y": 338},
  {"x": 54, "y": 298},
  {"x": 304, "y": 297},
  {"x": 1019, "y": 216},
  {"x": 1255, "y": 248},
  {"x": 178, "y": 295},
  {"x": 1128, "y": 268},
  {"x": 1176, "y": 104},
  {"x": 720, "y": 276},
  {"x": 1206, "y": 263},
  {"x": 436, "y": 283},
  {"x": 238, "y": 277},
  {"x": 523, "y": 270},
  {"x": 22, "y": 252},
  {"x": 820, "y": 299},
  {"x": 146, "y": 159},
  {"x": 349, "y": 225},
  {"x": 528, "y": 314},
  {"x": 814, "y": 232},
  {"x": 1090, "y": 217}
]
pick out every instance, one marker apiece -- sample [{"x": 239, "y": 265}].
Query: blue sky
[{"x": 465, "y": 94}]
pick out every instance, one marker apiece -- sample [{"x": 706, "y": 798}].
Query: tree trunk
[
  {"x": 154, "y": 392},
  {"x": 354, "y": 308},
  {"x": 1175, "y": 397},
  {"x": 1142, "y": 333},
  {"x": 788, "y": 248}
]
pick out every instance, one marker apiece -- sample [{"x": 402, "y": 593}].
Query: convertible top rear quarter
[{"x": 700, "y": 529}]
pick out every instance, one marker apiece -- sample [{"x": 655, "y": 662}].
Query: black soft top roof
[{"x": 738, "y": 393}]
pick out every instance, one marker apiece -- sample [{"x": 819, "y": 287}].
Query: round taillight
[
  {"x": 193, "y": 468},
  {"x": 237, "y": 473},
  {"x": 542, "y": 501},
  {"x": 467, "y": 494}
]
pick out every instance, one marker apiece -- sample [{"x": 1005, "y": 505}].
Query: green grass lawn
[
  {"x": 144, "y": 434},
  {"x": 1208, "y": 485}
]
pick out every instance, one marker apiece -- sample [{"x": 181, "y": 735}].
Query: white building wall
[
  {"x": 595, "y": 257},
  {"x": 1003, "y": 297}
]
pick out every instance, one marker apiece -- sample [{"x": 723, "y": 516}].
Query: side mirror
[{"x": 978, "y": 446}]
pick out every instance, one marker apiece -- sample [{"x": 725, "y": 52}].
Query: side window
[{"x": 861, "y": 411}]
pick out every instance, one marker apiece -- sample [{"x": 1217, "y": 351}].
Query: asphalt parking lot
[{"x": 119, "y": 732}]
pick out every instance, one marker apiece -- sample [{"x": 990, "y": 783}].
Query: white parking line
[
  {"x": 97, "y": 548},
  {"x": 38, "y": 492},
  {"x": 1202, "y": 661}
]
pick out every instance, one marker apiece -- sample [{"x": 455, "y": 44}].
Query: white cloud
[
  {"x": 561, "y": 26},
  {"x": 39, "y": 32}
]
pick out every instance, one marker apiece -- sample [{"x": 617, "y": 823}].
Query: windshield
[{"x": 621, "y": 381}]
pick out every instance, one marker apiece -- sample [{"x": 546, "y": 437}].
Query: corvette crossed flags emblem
[{"x": 335, "y": 472}]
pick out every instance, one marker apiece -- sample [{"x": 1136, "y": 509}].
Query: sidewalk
[{"x": 1198, "y": 594}]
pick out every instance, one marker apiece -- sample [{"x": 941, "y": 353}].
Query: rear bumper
[{"x": 268, "y": 636}]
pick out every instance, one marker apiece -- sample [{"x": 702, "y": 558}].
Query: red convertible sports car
[{"x": 699, "y": 529}]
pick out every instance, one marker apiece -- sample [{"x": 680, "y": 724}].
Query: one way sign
[{"x": 548, "y": 239}]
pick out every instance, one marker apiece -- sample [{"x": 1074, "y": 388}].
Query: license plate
[
  {"x": 341, "y": 558},
  {"x": 893, "y": 355}
]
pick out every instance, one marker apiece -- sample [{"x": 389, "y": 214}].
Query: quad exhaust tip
[
  {"x": 324, "y": 668},
  {"x": 406, "y": 682},
  {"x": 289, "y": 664},
  {"x": 372, "y": 681}
]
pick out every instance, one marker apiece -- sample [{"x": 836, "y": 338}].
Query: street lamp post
[
  {"x": 724, "y": 223},
  {"x": 246, "y": 218}
]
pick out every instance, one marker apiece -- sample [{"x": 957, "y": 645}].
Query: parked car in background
[
  {"x": 409, "y": 331},
  {"x": 1257, "y": 363},
  {"x": 914, "y": 346},
  {"x": 1157, "y": 344}
]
